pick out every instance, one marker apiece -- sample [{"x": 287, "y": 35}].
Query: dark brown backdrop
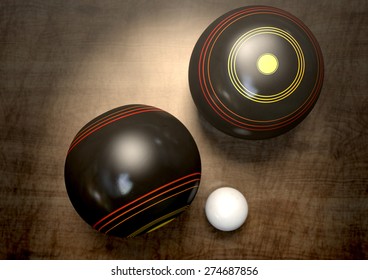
[{"x": 64, "y": 62}]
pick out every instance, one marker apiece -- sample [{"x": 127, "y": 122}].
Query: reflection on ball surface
[
  {"x": 131, "y": 170},
  {"x": 226, "y": 209}
]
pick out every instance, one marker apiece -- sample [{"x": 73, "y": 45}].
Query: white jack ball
[{"x": 226, "y": 209}]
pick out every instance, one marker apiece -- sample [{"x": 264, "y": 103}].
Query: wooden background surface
[{"x": 64, "y": 62}]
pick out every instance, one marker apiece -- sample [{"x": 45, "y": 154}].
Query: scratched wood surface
[{"x": 64, "y": 62}]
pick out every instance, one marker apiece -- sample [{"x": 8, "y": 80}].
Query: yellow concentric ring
[{"x": 262, "y": 98}]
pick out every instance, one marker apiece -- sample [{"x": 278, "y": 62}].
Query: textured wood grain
[{"x": 64, "y": 62}]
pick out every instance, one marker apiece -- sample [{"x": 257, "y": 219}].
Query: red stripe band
[{"x": 144, "y": 196}]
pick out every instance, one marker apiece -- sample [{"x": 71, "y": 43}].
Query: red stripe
[
  {"x": 144, "y": 202},
  {"x": 111, "y": 121},
  {"x": 143, "y": 196},
  {"x": 203, "y": 53},
  {"x": 100, "y": 120}
]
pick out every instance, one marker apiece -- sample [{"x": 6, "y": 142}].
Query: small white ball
[{"x": 226, "y": 209}]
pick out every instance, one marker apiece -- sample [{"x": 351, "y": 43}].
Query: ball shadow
[
  {"x": 244, "y": 150},
  {"x": 149, "y": 246}
]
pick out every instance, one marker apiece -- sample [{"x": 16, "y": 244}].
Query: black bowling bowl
[
  {"x": 256, "y": 72},
  {"x": 132, "y": 170}
]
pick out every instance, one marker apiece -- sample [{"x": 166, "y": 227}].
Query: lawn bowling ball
[
  {"x": 132, "y": 170},
  {"x": 256, "y": 72}
]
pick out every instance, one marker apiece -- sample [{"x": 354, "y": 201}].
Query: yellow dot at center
[{"x": 267, "y": 63}]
